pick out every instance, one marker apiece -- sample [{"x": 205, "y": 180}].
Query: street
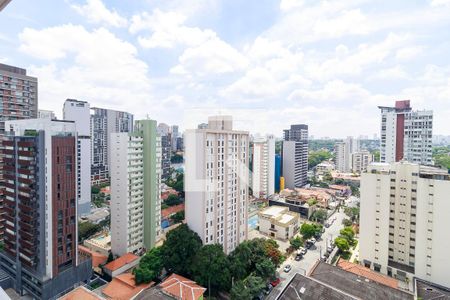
[{"x": 306, "y": 263}]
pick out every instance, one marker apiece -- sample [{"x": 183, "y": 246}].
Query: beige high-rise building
[
  {"x": 405, "y": 219},
  {"x": 360, "y": 161},
  {"x": 216, "y": 182}
]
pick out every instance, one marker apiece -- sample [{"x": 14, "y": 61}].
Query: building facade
[
  {"x": 40, "y": 201},
  {"x": 18, "y": 95},
  {"x": 277, "y": 172},
  {"x": 295, "y": 156},
  {"x": 166, "y": 149},
  {"x": 278, "y": 222},
  {"x": 263, "y": 166},
  {"x": 79, "y": 112},
  {"x": 405, "y": 220},
  {"x": 344, "y": 151},
  {"x": 406, "y": 134},
  {"x": 360, "y": 161},
  {"x": 135, "y": 188},
  {"x": 216, "y": 182},
  {"x": 104, "y": 122}
]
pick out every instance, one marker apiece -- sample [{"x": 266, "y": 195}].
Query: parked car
[
  {"x": 268, "y": 288},
  {"x": 323, "y": 229},
  {"x": 313, "y": 241},
  {"x": 275, "y": 282},
  {"x": 298, "y": 257},
  {"x": 259, "y": 297},
  {"x": 287, "y": 268},
  {"x": 303, "y": 250},
  {"x": 327, "y": 224},
  {"x": 330, "y": 249}
]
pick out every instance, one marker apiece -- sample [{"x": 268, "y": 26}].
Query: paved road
[{"x": 304, "y": 266}]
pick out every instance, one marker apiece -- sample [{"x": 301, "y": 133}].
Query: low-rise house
[
  {"x": 322, "y": 197},
  {"x": 100, "y": 243},
  {"x": 349, "y": 177},
  {"x": 81, "y": 293},
  {"x": 278, "y": 222},
  {"x": 124, "y": 287},
  {"x": 121, "y": 265},
  {"x": 174, "y": 287},
  {"x": 97, "y": 258},
  {"x": 341, "y": 190},
  {"x": 324, "y": 168}
]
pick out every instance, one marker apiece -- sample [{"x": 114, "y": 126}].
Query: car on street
[
  {"x": 330, "y": 249},
  {"x": 298, "y": 257},
  {"x": 303, "y": 250},
  {"x": 327, "y": 224},
  {"x": 259, "y": 297},
  {"x": 275, "y": 282},
  {"x": 287, "y": 268},
  {"x": 268, "y": 288}
]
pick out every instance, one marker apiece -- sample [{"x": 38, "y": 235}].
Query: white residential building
[
  {"x": 79, "y": 112},
  {"x": 406, "y": 134},
  {"x": 344, "y": 151},
  {"x": 295, "y": 156},
  {"x": 135, "y": 188},
  {"x": 263, "y": 166},
  {"x": 278, "y": 222},
  {"x": 405, "y": 218},
  {"x": 216, "y": 182},
  {"x": 360, "y": 161}
]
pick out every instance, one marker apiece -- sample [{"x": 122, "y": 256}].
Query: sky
[{"x": 268, "y": 63}]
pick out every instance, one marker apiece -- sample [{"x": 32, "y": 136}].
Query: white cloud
[
  {"x": 96, "y": 12},
  {"x": 286, "y": 5},
  {"x": 396, "y": 72},
  {"x": 408, "y": 53},
  {"x": 90, "y": 65},
  {"x": 440, "y": 3},
  {"x": 212, "y": 57},
  {"x": 167, "y": 30}
]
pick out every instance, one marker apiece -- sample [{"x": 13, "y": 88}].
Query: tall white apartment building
[
  {"x": 216, "y": 182},
  {"x": 344, "y": 151},
  {"x": 405, "y": 219},
  {"x": 295, "y": 156},
  {"x": 79, "y": 112},
  {"x": 360, "y": 161},
  {"x": 406, "y": 134},
  {"x": 135, "y": 188},
  {"x": 263, "y": 166},
  {"x": 340, "y": 149}
]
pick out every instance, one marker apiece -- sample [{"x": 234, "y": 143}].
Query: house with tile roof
[
  {"x": 121, "y": 264},
  {"x": 123, "y": 287}
]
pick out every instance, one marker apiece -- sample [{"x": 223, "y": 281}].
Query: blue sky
[{"x": 269, "y": 63}]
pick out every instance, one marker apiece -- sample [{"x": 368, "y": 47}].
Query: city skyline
[{"x": 291, "y": 62}]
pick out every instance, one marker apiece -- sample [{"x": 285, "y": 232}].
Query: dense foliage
[
  {"x": 150, "y": 266},
  {"x": 296, "y": 242},
  {"x": 320, "y": 215},
  {"x": 316, "y": 157},
  {"x": 309, "y": 230},
  {"x": 441, "y": 156},
  {"x": 179, "y": 250},
  {"x": 176, "y": 159},
  {"x": 315, "y": 145},
  {"x": 87, "y": 229}
]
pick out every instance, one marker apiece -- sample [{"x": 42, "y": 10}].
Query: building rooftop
[
  {"x": 123, "y": 286},
  {"x": 356, "y": 285},
  {"x": 97, "y": 258},
  {"x": 367, "y": 273},
  {"x": 428, "y": 291},
  {"x": 121, "y": 261},
  {"x": 273, "y": 211},
  {"x": 81, "y": 293},
  {"x": 102, "y": 241},
  {"x": 305, "y": 288},
  {"x": 182, "y": 288}
]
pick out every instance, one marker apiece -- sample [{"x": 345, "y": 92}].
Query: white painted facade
[
  {"x": 216, "y": 182},
  {"x": 405, "y": 217},
  {"x": 278, "y": 222},
  {"x": 79, "y": 112},
  {"x": 360, "y": 161},
  {"x": 263, "y": 169}
]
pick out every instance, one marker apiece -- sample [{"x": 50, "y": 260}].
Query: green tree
[
  {"x": 311, "y": 201},
  {"x": 110, "y": 257},
  {"x": 348, "y": 234},
  {"x": 210, "y": 265},
  {"x": 320, "y": 215},
  {"x": 307, "y": 230},
  {"x": 347, "y": 222},
  {"x": 265, "y": 269},
  {"x": 352, "y": 213},
  {"x": 376, "y": 155},
  {"x": 179, "y": 249},
  {"x": 316, "y": 157},
  {"x": 342, "y": 244},
  {"x": 327, "y": 177},
  {"x": 178, "y": 217},
  {"x": 95, "y": 189},
  {"x": 296, "y": 242},
  {"x": 248, "y": 288},
  {"x": 150, "y": 266},
  {"x": 173, "y": 200},
  {"x": 87, "y": 229},
  {"x": 176, "y": 159}
]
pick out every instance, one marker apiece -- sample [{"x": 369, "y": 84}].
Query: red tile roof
[
  {"x": 97, "y": 258},
  {"x": 121, "y": 261},
  {"x": 182, "y": 288},
  {"x": 167, "y": 212},
  {"x": 123, "y": 287},
  {"x": 80, "y": 293},
  {"x": 367, "y": 273}
]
